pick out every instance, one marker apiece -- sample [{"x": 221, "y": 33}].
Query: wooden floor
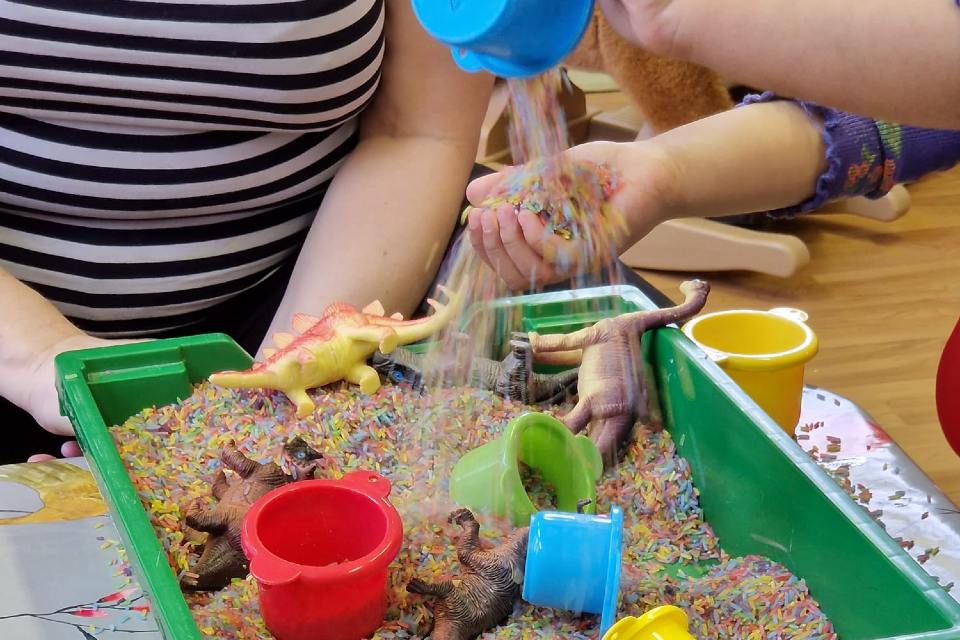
[{"x": 882, "y": 298}]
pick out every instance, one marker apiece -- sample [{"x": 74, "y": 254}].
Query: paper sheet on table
[{"x": 64, "y": 576}]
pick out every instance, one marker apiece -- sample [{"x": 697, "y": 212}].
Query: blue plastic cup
[
  {"x": 573, "y": 563},
  {"x": 508, "y": 38}
]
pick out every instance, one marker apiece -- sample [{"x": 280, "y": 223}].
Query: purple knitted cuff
[{"x": 854, "y": 153}]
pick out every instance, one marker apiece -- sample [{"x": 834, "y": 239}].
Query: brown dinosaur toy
[
  {"x": 484, "y": 595},
  {"x": 612, "y": 386},
  {"x": 223, "y": 559}
]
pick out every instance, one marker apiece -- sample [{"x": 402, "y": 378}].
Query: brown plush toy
[{"x": 668, "y": 92}]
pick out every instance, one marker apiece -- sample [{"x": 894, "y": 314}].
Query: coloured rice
[{"x": 170, "y": 453}]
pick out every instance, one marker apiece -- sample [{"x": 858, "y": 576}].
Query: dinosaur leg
[
  {"x": 609, "y": 434},
  {"x": 468, "y": 546},
  {"x": 436, "y": 589},
  {"x": 205, "y": 521},
  {"x": 192, "y": 535},
  {"x": 237, "y": 462},
  {"x": 513, "y": 378},
  {"x": 579, "y": 417},
  {"x": 365, "y": 376},
  {"x": 554, "y": 388},
  {"x": 220, "y": 484},
  {"x": 385, "y": 336},
  {"x": 301, "y": 399},
  {"x": 217, "y": 566}
]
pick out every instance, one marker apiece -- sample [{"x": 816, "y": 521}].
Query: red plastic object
[
  {"x": 948, "y": 389},
  {"x": 319, "y": 551}
]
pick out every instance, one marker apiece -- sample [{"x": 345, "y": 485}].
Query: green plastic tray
[{"x": 760, "y": 492}]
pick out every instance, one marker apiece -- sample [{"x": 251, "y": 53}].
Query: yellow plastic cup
[
  {"x": 663, "y": 623},
  {"x": 764, "y": 352}
]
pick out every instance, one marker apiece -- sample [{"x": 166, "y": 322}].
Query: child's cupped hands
[{"x": 523, "y": 246}]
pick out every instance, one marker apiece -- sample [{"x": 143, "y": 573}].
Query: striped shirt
[{"x": 159, "y": 157}]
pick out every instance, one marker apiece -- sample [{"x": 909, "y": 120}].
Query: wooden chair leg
[
  {"x": 693, "y": 244},
  {"x": 890, "y": 207}
]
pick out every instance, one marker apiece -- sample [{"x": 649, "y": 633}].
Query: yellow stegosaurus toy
[{"x": 335, "y": 346}]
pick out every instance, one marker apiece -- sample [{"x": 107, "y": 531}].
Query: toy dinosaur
[
  {"x": 334, "y": 347},
  {"x": 512, "y": 378},
  {"x": 484, "y": 595},
  {"x": 612, "y": 386},
  {"x": 222, "y": 558}
]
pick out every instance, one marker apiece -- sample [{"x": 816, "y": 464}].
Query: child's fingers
[
  {"x": 560, "y": 254},
  {"x": 497, "y": 255},
  {"x": 527, "y": 261},
  {"x": 564, "y": 255},
  {"x": 40, "y": 457},
  {"x": 475, "y": 233},
  {"x": 534, "y": 230}
]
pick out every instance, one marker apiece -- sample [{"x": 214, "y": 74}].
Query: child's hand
[
  {"x": 520, "y": 248},
  {"x": 517, "y": 246}
]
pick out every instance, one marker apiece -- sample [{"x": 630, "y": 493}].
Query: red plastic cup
[{"x": 319, "y": 551}]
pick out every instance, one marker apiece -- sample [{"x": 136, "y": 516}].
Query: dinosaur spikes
[
  {"x": 302, "y": 322},
  {"x": 397, "y": 316},
  {"x": 282, "y": 340},
  {"x": 268, "y": 352},
  {"x": 375, "y": 308}
]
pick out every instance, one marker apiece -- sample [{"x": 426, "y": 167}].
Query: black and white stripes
[{"x": 157, "y": 158}]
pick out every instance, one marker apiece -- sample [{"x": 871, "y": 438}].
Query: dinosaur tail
[
  {"x": 250, "y": 379},
  {"x": 695, "y": 294},
  {"x": 410, "y": 331}
]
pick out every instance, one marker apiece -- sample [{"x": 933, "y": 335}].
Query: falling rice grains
[{"x": 404, "y": 435}]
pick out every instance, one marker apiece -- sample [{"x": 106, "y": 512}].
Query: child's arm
[
  {"x": 756, "y": 158},
  {"x": 778, "y": 157},
  {"x": 867, "y": 157},
  {"x": 891, "y": 59}
]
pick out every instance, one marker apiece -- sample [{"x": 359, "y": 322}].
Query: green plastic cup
[{"x": 487, "y": 479}]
